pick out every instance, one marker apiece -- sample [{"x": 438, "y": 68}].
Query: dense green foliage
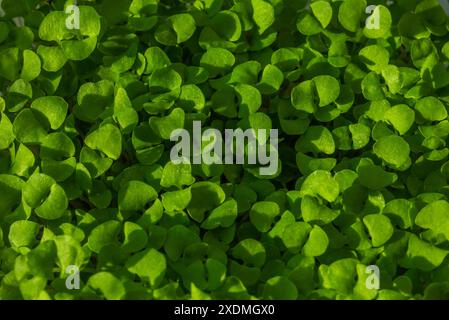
[{"x": 86, "y": 179}]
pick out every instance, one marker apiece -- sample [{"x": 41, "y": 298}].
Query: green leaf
[
  {"x": 361, "y": 135},
  {"x": 379, "y": 227},
  {"x": 31, "y": 65},
  {"x": 150, "y": 265},
  {"x": 164, "y": 126},
  {"x": 23, "y": 162},
  {"x": 434, "y": 216},
  {"x": 263, "y": 14},
  {"x": 339, "y": 275},
  {"x": 280, "y": 288},
  {"x": 303, "y": 97},
  {"x": 107, "y": 139},
  {"x": 423, "y": 255},
  {"x": 177, "y": 175},
  {"x": 286, "y": 59},
  {"x": 53, "y": 59},
  {"x": 164, "y": 80},
  {"x": 393, "y": 149},
  {"x": 28, "y": 127},
  {"x": 401, "y": 117},
  {"x": 316, "y": 139},
  {"x": 103, "y": 235},
  {"x": 322, "y": 10},
  {"x": 314, "y": 211},
  {"x": 308, "y": 25},
  {"x": 18, "y": 95},
  {"x": 79, "y": 49},
  {"x": 317, "y": 242},
  {"x": 371, "y": 87},
  {"x": 431, "y": 109},
  {"x": 156, "y": 59},
  {"x": 217, "y": 61},
  {"x": 271, "y": 81},
  {"x": 93, "y": 99},
  {"x": 124, "y": 112},
  {"x": 251, "y": 252},
  {"x": 184, "y": 26},
  {"x": 375, "y": 57},
  {"x": 294, "y": 235},
  {"x": 328, "y": 89},
  {"x": 176, "y": 200},
  {"x": 23, "y": 233},
  {"x": 307, "y": 164},
  {"x": 53, "y": 108},
  {"x": 178, "y": 238},
  {"x": 6, "y": 132},
  {"x": 321, "y": 183},
  {"x": 191, "y": 98},
  {"x": 262, "y": 215},
  {"x": 10, "y": 193},
  {"x": 69, "y": 251},
  {"x": 9, "y": 63},
  {"x": 227, "y": 25},
  {"x": 246, "y": 72},
  {"x": 351, "y": 14},
  {"x": 401, "y": 212},
  {"x": 205, "y": 196},
  {"x": 222, "y": 216},
  {"x": 393, "y": 78},
  {"x": 45, "y": 196},
  {"x": 374, "y": 177},
  {"x": 57, "y": 146},
  {"x": 135, "y": 196},
  {"x": 110, "y": 286}
]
